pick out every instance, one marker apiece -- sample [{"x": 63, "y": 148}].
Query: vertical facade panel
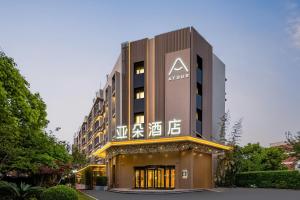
[
  {"x": 202, "y": 48},
  {"x": 165, "y": 43},
  {"x": 125, "y": 78},
  {"x": 138, "y": 53}
]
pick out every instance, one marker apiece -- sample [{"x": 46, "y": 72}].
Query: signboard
[
  {"x": 184, "y": 174},
  {"x": 177, "y": 89},
  {"x": 178, "y": 70},
  {"x": 154, "y": 130}
]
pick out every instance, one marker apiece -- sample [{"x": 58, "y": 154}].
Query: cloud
[{"x": 294, "y": 22}]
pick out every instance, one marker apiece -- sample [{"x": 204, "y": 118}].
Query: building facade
[{"x": 155, "y": 123}]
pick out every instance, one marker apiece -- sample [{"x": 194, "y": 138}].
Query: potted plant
[{"x": 101, "y": 183}]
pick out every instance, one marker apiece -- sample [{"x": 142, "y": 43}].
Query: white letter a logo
[{"x": 177, "y": 66}]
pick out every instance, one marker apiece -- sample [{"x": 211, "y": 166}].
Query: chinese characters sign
[{"x": 154, "y": 130}]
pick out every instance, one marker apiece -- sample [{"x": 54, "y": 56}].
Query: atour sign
[{"x": 178, "y": 70}]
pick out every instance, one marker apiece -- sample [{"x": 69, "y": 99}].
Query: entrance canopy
[{"x": 159, "y": 145}]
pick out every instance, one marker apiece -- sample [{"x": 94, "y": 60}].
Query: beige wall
[{"x": 202, "y": 168}]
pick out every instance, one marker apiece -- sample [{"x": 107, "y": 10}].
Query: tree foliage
[
  {"x": 251, "y": 157},
  {"x": 78, "y": 158},
  {"x": 257, "y": 158},
  {"x": 25, "y": 146},
  {"x": 294, "y": 140},
  {"x": 229, "y": 162}
]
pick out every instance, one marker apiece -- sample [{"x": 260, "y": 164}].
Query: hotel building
[{"x": 155, "y": 123}]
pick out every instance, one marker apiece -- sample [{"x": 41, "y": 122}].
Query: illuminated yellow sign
[{"x": 155, "y": 130}]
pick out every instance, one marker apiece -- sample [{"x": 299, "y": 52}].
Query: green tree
[
  {"x": 78, "y": 158},
  {"x": 251, "y": 157},
  {"x": 229, "y": 161},
  {"x": 25, "y": 146},
  {"x": 224, "y": 123},
  {"x": 294, "y": 141},
  {"x": 257, "y": 158},
  {"x": 272, "y": 158}
]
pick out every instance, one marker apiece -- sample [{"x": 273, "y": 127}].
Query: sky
[{"x": 65, "y": 49}]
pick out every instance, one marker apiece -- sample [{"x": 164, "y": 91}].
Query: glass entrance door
[
  {"x": 160, "y": 177},
  {"x": 151, "y": 178},
  {"x": 155, "y": 177},
  {"x": 139, "y": 178}
]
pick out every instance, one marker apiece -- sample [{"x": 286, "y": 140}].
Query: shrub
[
  {"x": 20, "y": 192},
  {"x": 60, "y": 192},
  {"x": 101, "y": 181},
  {"x": 269, "y": 179}
]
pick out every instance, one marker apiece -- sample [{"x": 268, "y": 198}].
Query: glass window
[
  {"x": 139, "y": 67},
  {"x": 199, "y": 115},
  {"x": 139, "y": 93},
  {"x": 199, "y": 62},
  {"x": 139, "y": 70},
  {"x": 139, "y": 118},
  {"x": 199, "y": 89}
]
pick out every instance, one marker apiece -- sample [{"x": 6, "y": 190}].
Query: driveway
[{"x": 222, "y": 194}]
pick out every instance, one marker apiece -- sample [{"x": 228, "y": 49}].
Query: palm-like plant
[{"x": 21, "y": 192}]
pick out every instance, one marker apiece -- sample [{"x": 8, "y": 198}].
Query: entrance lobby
[
  {"x": 155, "y": 177},
  {"x": 167, "y": 170}
]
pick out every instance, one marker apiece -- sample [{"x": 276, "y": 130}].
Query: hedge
[
  {"x": 60, "y": 192},
  {"x": 269, "y": 179}
]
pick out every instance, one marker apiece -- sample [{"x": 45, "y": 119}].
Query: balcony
[
  {"x": 102, "y": 109},
  {"x": 101, "y": 123},
  {"x": 199, "y": 75},
  {"x": 90, "y": 148},
  {"x": 96, "y": 129},
  {"x": 106, "y": 120},
  {"x": 199, "y": 102},
  {"x": 97, "y": 145}
]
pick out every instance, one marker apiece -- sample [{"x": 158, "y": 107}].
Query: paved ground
[{"x": 224, "y": 194}]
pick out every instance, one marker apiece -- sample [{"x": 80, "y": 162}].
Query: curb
[
  {"x": 155, "y": 192},
  {"x": 89, "y": 195}
]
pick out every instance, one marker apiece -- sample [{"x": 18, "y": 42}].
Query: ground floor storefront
[
  {"x": 167, "y": 169},
  {"x": 164, "y": 164}
]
